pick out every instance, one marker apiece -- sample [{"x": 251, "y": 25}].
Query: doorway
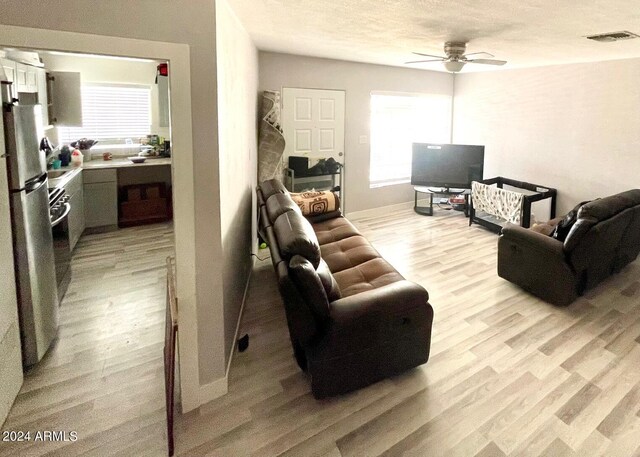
[{"x": 313, "y": 122}]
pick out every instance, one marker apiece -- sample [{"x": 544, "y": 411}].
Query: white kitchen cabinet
[
  {"x": 100, "y": 198},
  {"x": 10, "y": 352},
  {"x": 9, "y": 67},
  {"x": 75, "y": 191},
  {"x": 66, "y": 98},
  {"x": 26, "y": 78},
  {"x": 43, "y": 99}
]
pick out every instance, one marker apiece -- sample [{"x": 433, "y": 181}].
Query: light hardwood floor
[
  {"x": 508, "y": 374},
  {"x": 103, "y": 378}
]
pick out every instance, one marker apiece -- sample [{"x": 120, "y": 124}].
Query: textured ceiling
[{"x": 525, "y": 33}]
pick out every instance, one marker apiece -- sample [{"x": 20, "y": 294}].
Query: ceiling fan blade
[
  {"x": 428, "y": 55},
  {"x": 488, "y": 61},
  {"x": 478, "y": 53},
  {"x": 424, "y": 61}
]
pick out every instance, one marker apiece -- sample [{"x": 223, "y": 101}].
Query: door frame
[{"x": 178, "y": 56}]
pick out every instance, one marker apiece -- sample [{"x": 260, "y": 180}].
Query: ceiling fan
[{"x": 456, "y": 57}]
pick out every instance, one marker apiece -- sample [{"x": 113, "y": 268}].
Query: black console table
[{"x": 428, "y": 210}]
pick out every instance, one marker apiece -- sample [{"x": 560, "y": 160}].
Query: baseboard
[
  {"x": 213, "y": 390},
  {"x": 380, "y": 211},
  {"x": 220, "y": 387},
  {"x": 244, "y": 300}
]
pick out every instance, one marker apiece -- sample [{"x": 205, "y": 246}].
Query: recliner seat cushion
[
  {"x": 348, "y": 253},
  {"x": 335, "y": 229},
  {"x": 295, "y": 236},
  {"x": 366, "y": 276}
]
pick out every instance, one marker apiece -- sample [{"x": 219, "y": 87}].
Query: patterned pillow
[{"x": 316, "y": 202}]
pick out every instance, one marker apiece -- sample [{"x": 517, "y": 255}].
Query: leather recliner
[
  {"x": 352, "y": 318},
  {"x": 604, "y": 239}
]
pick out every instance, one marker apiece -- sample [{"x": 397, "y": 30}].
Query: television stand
[{"x": 428, "y": 210}]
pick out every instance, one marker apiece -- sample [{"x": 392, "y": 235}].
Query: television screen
[{"x": 446, "y": 165}]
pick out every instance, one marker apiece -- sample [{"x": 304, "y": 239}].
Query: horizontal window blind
[
  {"x": 112, "y": 112},
  {"x": 398, "y": 121}
]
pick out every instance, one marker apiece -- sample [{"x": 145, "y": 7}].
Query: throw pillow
[{"x": 316, "y": 202}]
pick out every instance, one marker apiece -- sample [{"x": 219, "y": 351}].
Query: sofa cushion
[
  {"x": 313, "y": 203},
  {"x": 309, "y": 286},
  {"x": 272, "y": 186},
  {"x": 366, "y": 276},
  {"x": 347, "y": 253},
  {"x": 328, "y": 281},
  {"x": 295, "y": 236},
  {"x": 335, "y": 229},
  {"x": 279, "y": 204}
]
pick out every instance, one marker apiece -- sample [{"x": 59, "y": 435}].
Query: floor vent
[{"x": 613, "y": 36}]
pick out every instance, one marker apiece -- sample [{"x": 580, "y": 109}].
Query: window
[
  {"x": 397, "y": 121},
  {"x": 112, "y": 112}
]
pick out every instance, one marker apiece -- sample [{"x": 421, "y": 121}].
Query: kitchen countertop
[{"x": 120, "y": 162}]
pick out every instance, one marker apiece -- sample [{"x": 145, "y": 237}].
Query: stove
[{"x": 59, "y": 208}]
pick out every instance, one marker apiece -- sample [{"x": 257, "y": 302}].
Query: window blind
[
  {"x": 112, "y": 112},
  {"x": 398, "y": 121}
]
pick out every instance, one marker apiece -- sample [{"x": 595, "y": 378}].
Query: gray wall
[
  {"x": 175, "y": 22},
  {"x": 358, "y": 80},
  {"x": 573, "y": 127},
  {"x": 237, "y": 100}
]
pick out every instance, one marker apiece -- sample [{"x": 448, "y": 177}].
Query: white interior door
[
  {"x": 313, "y": 123},
  {"x": 10, "y": 353}
]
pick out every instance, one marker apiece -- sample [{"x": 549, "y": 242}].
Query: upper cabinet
[
  {"x": 9, "y": 67},
  {"x": 43, "y": 97},
  {"x": 65, "y": 97}
]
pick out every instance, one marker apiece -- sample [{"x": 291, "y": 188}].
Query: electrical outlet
[{"x": 364, "y": 139}]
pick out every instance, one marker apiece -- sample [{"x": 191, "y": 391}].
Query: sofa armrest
[
  {"x": 386, "y": 315},
  {"x": 537, "y": 263},
  {"x": 374, "y": 304},
  {"x": 534, "y": 241}
]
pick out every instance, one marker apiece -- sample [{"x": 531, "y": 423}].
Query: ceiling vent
[{"x": 613, "y": 36}]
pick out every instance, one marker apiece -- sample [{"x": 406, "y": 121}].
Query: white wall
[
  {"x": 573, "y": 127},
  {"x": 170, "y": 22},
  {"x": 95, "y": 69},
  {"x": 358, "y": 80},
  {"x": 237, "y": 120}
]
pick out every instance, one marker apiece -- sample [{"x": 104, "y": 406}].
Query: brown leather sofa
[
  {"x": 353, "y": 319},
  {"x": 604, "y": 239}
]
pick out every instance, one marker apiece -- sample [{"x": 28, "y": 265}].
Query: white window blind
[
  {"x": 398, "y": 121},
  {"x": 112, "y": 112}
]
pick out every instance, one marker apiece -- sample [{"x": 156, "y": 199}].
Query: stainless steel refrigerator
[{"x": 31, "y": 226}]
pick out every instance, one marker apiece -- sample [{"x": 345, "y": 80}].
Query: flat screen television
[{"x": 446, "y": 165}]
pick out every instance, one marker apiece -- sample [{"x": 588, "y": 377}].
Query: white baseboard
[
  {"x": 220, "y": 387},
  {"x": 213, "y": 390},
  {"x": 244, "y": 300},
  {"x": 380, "y": 211}
]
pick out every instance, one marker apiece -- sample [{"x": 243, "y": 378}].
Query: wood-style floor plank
[{"x": 509, "y": 374}]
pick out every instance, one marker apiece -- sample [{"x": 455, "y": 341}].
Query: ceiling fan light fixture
[{"x": 454, "y": 66}]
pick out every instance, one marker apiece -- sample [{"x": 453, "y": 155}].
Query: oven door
[{"x": 62, "y": 251}]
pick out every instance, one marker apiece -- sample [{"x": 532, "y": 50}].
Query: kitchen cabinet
[
  {"x": 75, "y": 191},
  {"x": 65, "y": 95},
  {"x": 43, "y": 98},
  {"x": 100, "y": 198},
  {"x": 26, "y": 78},
  {"x": 9, "y": 67}
]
